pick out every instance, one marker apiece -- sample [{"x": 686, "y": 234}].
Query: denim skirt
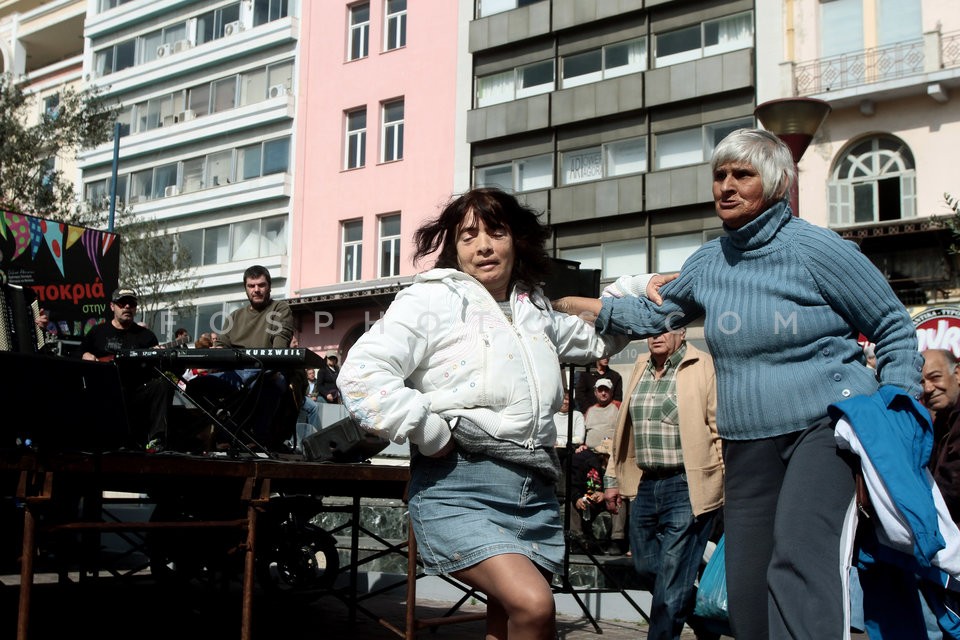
[{"x": 466, "y": 508}]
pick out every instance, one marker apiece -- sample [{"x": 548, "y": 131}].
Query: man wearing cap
[
  {"x": 147, "y": 394},
  {"x": 584, "y": 396},
  {"x": 667, "y": 459},
  {"x": 600, "y": 422}
]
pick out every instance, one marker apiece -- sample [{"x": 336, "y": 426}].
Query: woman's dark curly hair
[{"x": 497, "y": 210}]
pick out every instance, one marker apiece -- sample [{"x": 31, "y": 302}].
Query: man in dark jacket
[{"x": 941, "y": 395}]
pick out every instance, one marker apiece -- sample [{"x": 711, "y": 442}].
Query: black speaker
[
  {"x": 342, "y": 441},
  {"x": 568, "y": 279}
]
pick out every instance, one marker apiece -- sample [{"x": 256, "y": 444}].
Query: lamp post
[{"x": 795, "y": 121}]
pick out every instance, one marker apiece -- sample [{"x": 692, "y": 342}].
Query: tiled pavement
[{"x": 113, "y": 609}]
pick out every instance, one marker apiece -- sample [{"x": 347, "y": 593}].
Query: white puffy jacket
[{"x": 444, "y": 349}]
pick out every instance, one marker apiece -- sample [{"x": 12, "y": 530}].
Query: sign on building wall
[
  {"x": 72, "y": 270},
  {"x": 938, "y": 328}
]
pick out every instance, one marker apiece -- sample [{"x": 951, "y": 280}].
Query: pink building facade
[{"x": 377, "y": 153}]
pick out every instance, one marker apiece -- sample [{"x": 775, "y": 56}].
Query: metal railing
[{"x": 860, "y": 67}]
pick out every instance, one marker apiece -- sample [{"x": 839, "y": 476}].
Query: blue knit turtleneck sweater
[{"x": 783, "y": 302}]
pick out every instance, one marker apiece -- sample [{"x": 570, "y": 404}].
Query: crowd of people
[{"x": 741, "y": 439}]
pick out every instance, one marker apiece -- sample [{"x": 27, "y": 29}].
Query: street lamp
[{"x": 795, "y": 121}]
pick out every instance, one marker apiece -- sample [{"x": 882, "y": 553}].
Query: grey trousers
[{"x": 786, "y": 501}]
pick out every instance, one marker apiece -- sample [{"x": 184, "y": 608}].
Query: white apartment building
[{"x": 207, "y": 102}]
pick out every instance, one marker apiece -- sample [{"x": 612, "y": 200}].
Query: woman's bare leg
[{"x": 520, "y": 603}]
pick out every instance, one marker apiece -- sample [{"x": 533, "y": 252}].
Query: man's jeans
[{"x": 667, "y": 544}]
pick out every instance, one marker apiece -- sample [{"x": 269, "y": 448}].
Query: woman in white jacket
[{"x": 465, "y": 366}]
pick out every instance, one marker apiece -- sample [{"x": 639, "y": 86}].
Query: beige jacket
[{"x": 702, "y": 458}]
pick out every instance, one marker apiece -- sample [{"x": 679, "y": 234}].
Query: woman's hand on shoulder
[
  {"x": 657, "y": 281},
  {"x": 644, "y": 285}
]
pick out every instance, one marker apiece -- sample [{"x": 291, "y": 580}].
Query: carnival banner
[{"x": 73, "y": 270}]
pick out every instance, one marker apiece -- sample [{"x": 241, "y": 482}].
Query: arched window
[{"x": 873, "y": 180}]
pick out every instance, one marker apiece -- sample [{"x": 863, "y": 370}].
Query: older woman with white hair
[{"x": 783, "y": 303}]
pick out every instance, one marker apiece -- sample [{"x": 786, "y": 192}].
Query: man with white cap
[{"x": 600, "y": 421}]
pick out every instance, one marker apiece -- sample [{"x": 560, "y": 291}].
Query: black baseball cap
[{"x": 124, "y": 293}]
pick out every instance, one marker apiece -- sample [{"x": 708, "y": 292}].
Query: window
[
  {"x": 115, "y": 58},
  {"x": 359, "y": 34},
  {"x": 199, "y": 99},
  {"x": 873, "y": 181},
  {"x": 244, "y": 240},
  {"x": 525, "y": 174},
  {"x": 581, "y": 166},
  {"x": 352, "y": 250},
  {"x": 265, "y": 11},
  {"x": 706, "y": 39},
  {"x": 262, "y": 159},
  {"x": 276, "y": 156},
  {"x": 613, "y": 259},
  {"x": 395, "y": 32},
  {"x": 141, "y": 185},
  {"x": 521, "y": 82},
  {"x": 215, "y": 24},
  {"x": 392, "y": 135},
  {"x": 216, "y": 244},
  {"x": 161, "y": 43},
  {"x": 225, "y": 94},
  {"x": 106, "y": 5},
  {"x": 355, "y": 151},
  {"x": 192, "y": 175},
  {"x": 273, "y": 236},
  {"x": 125, "y": 120},
  {"x": 609, "y": 61},
  {"x": 672, "y": 251},
  {"x": 691, "y": 146},
  {"x": 608, "y": 160},
  {"x": 48, "y": 177},
  {"x": 189, "y": 244},
  {"x": 490, "y": 7},
  {"x": 389, "y": 246},
  {"x": 625, "y": 157},
  {"x": 164, "y": 177},
  {"x": 219, "y": 168},
  {"x": 624, "y": 257},
  {"x": 51, "y": 106}
]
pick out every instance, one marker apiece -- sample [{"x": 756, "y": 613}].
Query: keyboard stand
[{"x": 237, "y": 447}]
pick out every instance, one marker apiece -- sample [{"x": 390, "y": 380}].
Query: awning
[{"x": 368, "y": 293}]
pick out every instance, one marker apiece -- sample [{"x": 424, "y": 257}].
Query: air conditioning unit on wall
[
  {"x": 278, "y": 90},
  {"x": 181, "y": 45},
  {"x": 187, "y": 115},
  {"x": 164, "y": 50},
  {"x": 172, "y": 190},
  {"x": 232, "y": 28}
]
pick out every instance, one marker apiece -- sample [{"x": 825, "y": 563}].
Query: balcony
[{"x": 901, "y": 68}]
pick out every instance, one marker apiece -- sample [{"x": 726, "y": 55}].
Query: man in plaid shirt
[{"x": 667, "y": 460}]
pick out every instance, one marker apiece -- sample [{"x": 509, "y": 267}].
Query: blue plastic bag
[{"x": 712, "y": 592}]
